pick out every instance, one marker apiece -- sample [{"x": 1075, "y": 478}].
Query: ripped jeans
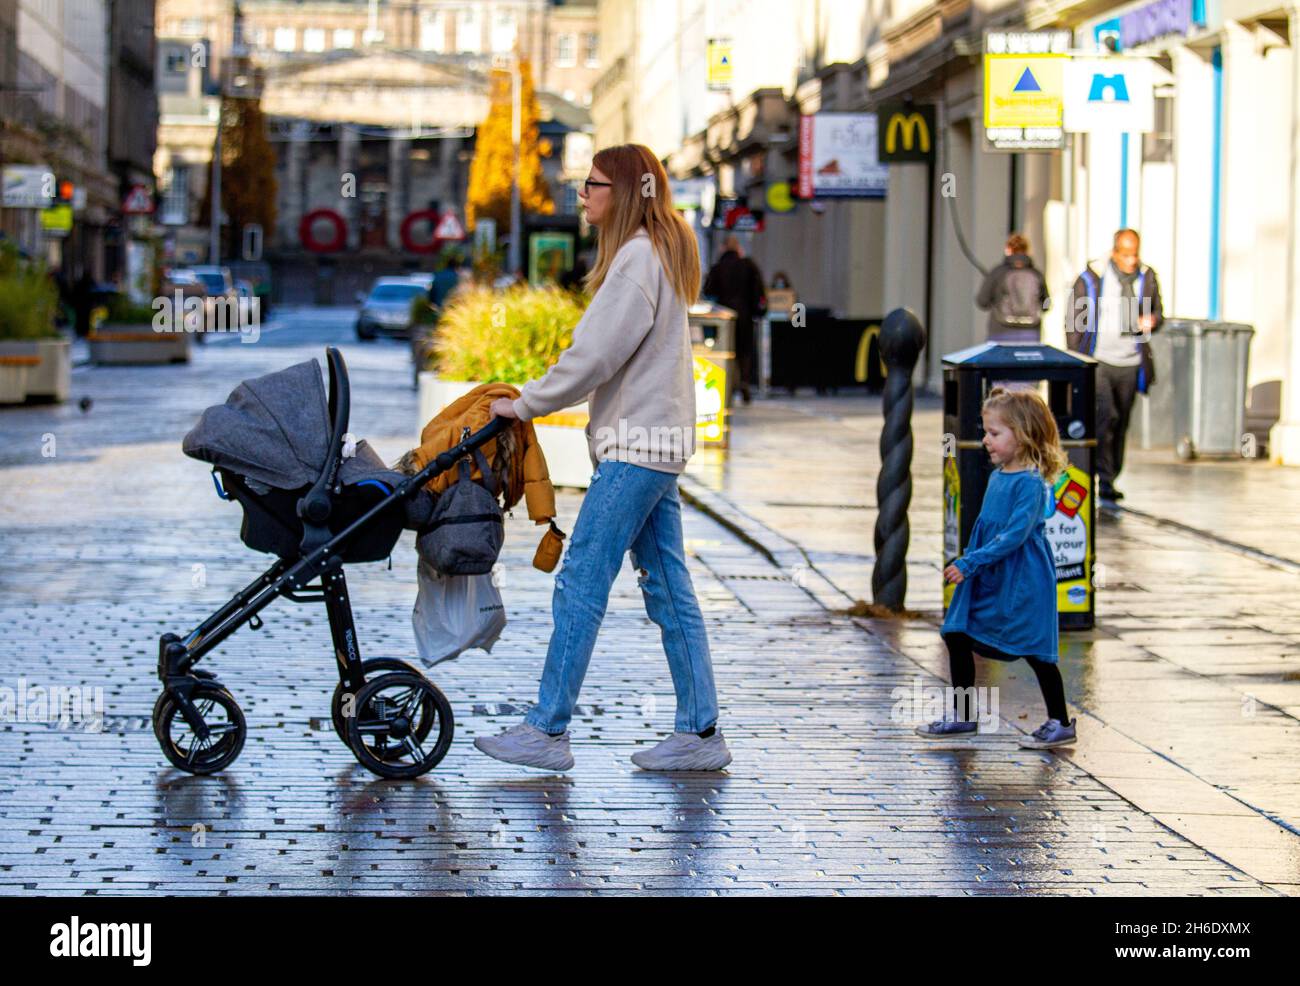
[{"x": 626, "y": 507}]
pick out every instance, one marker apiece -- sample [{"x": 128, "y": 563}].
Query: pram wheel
[
  {"x": 182, "y": 746},
  {"x": 393, "y": 712},
  {"x": 369, "y": 669}
]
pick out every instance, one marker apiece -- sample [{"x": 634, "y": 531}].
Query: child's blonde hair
[{"x": 1030, "y": 420}]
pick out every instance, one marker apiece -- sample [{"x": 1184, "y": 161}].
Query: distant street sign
[
  {"x": 138, "y": 201},
  {"x": 449, "y": 228},
  {"x": 719, "y": 63},
  {"x": 57, "y": 220},
  {"x": 1109, "y": 95},
  {"x": 1024, "y": 101},
  {"x": 28, "y": 186},
  {"x": 906, "y": 133}
]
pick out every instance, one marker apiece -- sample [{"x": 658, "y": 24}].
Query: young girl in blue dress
[{"x": 1004, "y": 605}]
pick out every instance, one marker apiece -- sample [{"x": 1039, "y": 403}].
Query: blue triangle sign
[{"x": 1027, "y": 83}]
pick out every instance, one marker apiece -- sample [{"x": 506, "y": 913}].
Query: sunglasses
[{"x": 587, "y": 185}]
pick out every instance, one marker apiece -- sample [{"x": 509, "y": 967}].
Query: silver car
[{"x": 386, "y": 309}]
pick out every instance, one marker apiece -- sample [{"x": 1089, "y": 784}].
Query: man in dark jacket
[
  {"x": 1014, "y": 293},
  {"x": 736, "y": 282},
  {"x": 1113, "y": 314}
]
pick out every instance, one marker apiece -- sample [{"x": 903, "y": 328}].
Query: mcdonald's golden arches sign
[{"x": 906, "y": 132}]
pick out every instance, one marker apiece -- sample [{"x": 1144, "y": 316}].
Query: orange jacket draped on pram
[{"x": 526, "y": 475}]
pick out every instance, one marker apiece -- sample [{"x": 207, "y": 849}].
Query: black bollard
[{"x": 901, "y": 339}]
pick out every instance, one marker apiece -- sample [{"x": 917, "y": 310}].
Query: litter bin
[
  {"x": 1067, "y": 382},
  {"x": 713, "y": 329},
  {"x": 1209, "y": 362},
  {"x": 1152, "y": 422}
]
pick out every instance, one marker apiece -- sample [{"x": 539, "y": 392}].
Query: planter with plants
[
  {"x": 35, "y": 358},
  {"x": 510, "y": 336},
  {"x": 127, "y": 335}
]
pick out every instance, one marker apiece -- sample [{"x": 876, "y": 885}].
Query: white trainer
[
  {"x": 685, "y": 751},
  {"x": 528, "y": 746}
]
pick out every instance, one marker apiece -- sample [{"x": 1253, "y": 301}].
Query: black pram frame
[{"x": 384, "y": 709}]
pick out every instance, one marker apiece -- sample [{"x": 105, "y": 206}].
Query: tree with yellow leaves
[
  {"x": 490, "y": 171},
  {"x": 248, "y": 185}
]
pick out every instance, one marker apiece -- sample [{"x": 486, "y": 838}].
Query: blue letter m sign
[{"x": 1108, "y": 89}]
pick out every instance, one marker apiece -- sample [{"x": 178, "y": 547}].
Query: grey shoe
[
  {"x": 685, "y": 751},
  {"x": 1049, "y": 734},
  {"x": 947, "y": 728},
  {"x": 528, "y": 746}
]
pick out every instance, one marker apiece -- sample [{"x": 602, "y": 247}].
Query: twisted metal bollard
[{"x": 901, "y": 339}]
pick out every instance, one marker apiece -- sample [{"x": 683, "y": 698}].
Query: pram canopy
[
  {"x": 273, "y": 442},
  {"x": 275, "y": 429}
]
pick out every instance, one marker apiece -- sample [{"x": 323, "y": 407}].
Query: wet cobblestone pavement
[
  {"x": 1189, "y": 685},
  {"x": 118, "y": 538}
]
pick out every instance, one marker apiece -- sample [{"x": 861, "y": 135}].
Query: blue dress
[{"x": 1007, "y": 599}]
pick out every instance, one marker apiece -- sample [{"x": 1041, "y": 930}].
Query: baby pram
[{"x": 277, "y": 449}]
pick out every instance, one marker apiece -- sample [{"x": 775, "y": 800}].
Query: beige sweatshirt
[{"x": 630, "y": 360}]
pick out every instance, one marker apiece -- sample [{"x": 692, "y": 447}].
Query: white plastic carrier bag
[{"x": 454, "y": 613}]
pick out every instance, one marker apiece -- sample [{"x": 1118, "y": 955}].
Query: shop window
[{"x": 1159, "y": 144}]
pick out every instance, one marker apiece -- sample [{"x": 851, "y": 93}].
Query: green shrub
[
  {"x": 28, "y": 299},
  {"x": 423, "y": 313},
  {"x": 123, "y": 311},
  {"x": 509, "y": 336}
]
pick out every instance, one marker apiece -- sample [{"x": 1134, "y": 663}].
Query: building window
[
  {"x": 344, "y": 37},
  {"x": 569, "y": 207},
  {"x": 433, "y": 31},
  {"x": 469, "y": 34},
  {"x": 590, "y": 46},
  {"x": 313, "y": 39},
  {"x": 284, "y": 39},
  {"x": 256, "y": 37},
  {"x": 193, "y": 27},
  {"x": 503, "y": 30},
  {"x": 565, "y": 57},
  {"x": 175, "y": 209}
]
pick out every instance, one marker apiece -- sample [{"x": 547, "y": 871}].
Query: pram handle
[
  {"x": 315, "y": 506},
  {"x": 317, "y": 550},
  {"x": 446, "y": 459}
]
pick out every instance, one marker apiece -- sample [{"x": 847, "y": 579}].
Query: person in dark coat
[
  {"x": 83, "y": 302},
  {"x": 736, "y": 282},
  {"x": 1014, "y": 293},
  {"x": 1115, "y": 310}
]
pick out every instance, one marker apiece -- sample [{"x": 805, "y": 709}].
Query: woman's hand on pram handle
[{"x": 503, "y": 407}]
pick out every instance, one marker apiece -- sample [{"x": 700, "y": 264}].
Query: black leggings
[{"x": 961, "y": 661}]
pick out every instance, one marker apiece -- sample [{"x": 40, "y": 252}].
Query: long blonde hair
[
  {"x": 641, "y": 198},
  {"x": 1034, "y": 428}
]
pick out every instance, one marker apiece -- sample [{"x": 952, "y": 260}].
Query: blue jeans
[{"x": 627, "y": 507}]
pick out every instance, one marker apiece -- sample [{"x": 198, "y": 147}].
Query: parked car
[
  {"x": 217, "y": 281},
  {"x": 257, "y": 273},
  {"x": 387, "y": 308},
  {"x": 188, "y": 283}
]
